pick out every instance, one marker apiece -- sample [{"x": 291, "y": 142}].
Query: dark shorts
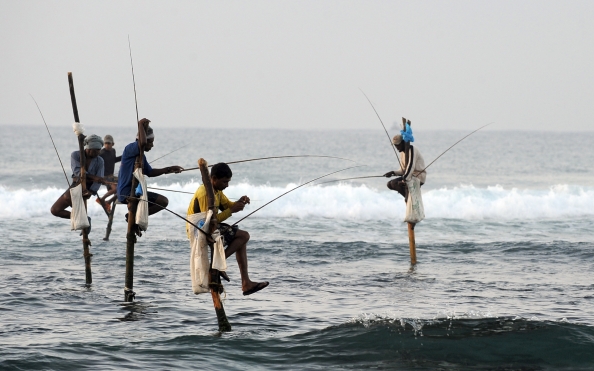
[
  {"x": 399, "y": 186},
  {"x": 111, "y": 178},
  {"x": 228, "y": 232},
  {"x": 152, "y": 198}
]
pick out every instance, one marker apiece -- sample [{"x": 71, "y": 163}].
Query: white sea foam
[{"x": 356, "y": 202}]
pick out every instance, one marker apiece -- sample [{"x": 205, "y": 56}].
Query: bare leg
[
  {"x": 112, "y": 189},
  {"x": 59, "y": 207},
  {"x": 239, "y": 247}
]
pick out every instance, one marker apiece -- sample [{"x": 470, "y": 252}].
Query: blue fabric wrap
[{"x": 407, "y": 134}]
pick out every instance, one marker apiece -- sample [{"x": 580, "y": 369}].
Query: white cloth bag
[
  {"x": 78, "y": 215},
  {"x": 415, "y": 212},
  {"x": 199, "y": 260},
  {"x": 143, "y": 205}
]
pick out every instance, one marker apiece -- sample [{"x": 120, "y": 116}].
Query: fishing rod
[
  {"x": 185, "y": 145},
  {"x": 50, "y": 135},
  {"x": 443, "y": 153},
  {"x": 274, "y": 199},
  {"x": 188, "y": 193},
  {"x": 274, "y": 157},
  {"x": 174, "y": 213},
  {"x": 170, "y": 190},
  {"x": 133, "y": 80},
  {"x": 384, "y": 126},
  {"x": 358, "y": 177}
]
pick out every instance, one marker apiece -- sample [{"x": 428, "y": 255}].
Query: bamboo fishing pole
[
  {"x": 273, "y": 157},
  {"x": 52, "y": 139},
  {"x": 215, "y": 284},
  {"x": 86, "y": 242},
  {"x": 291, "y": 190},
  {"x": 129, "y": 293},
  {"x": 384, "y": 126}
]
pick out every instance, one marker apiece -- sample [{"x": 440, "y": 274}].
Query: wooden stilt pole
[
  {"x": 411, "y": 226},
  {"x": 86, "y": 242},
  {"x": 110, "y": 219},
  {"x": 216, "y": 288},
  {"x": 129, "y": 293},
  {"x": 411, "y": 243}
]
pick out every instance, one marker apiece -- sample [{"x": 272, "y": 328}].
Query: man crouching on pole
[
  {"x": 415, "y": 166},
  {"x": 234, "y": 238},
  {"x": 145, "y": 142}
]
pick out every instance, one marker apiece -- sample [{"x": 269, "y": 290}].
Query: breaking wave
[{"x": 348, "y": 201}]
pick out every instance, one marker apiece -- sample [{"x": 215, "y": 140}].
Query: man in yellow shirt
[{"x": 235, "y": 239}]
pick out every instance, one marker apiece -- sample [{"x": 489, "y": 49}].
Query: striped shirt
[{"x": 94, "y": 168}]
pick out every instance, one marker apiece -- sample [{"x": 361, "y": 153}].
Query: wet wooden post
[
  {"x": 411, "y": 226},
  {"x": 81, "y": 138},
  {"x": 129, "y": 293},
  {"x": 214, "y": 277},
  {"x": 110, "y": 219}
]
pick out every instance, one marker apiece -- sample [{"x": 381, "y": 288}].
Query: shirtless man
[{"x": 234, "y": 238}]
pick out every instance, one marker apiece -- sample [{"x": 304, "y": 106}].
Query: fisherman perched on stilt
[
  {"x": 414, "y": 167},
  {"x": 145, "y": 141},
  {"x": 234, "y": 238},
  {"x": 108, "y": 154},
  {"x": 412, "y": 175},
  {"x": 94, "y": 171}
]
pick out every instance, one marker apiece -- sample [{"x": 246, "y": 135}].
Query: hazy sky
[{"x": 525, "y": 65}]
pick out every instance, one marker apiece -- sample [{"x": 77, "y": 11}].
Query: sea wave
[{"x": 352, "y": 202}]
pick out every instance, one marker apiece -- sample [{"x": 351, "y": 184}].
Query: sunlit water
[{"x": 504, "y": 279}]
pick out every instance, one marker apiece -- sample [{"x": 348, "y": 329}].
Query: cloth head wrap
[
  {"x": 149, "y": 133},
  {"x": 397, "y": 139},
  {"x": 93, "y": 142}
]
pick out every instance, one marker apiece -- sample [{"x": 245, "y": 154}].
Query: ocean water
[{"x": 504, "y": 279}]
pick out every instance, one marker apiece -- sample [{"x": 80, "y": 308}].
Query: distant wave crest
[{"x": 353, "y": 202}]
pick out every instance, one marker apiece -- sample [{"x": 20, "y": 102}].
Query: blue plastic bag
[
  {"x": 138, "y": 190},
  {"x": 407, "y": 134}
]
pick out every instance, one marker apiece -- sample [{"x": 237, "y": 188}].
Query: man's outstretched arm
[{"x": 165, "y": 170}]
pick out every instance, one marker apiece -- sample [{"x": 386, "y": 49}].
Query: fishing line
[
  {"x": 50, "y": 135},
  {"x": 384, "y": 126},
  {"x": 443, "y": 153},
  {"x": 274, "y": 199},
  {"x": 358, "y": 177},
  {"x": 174, "y": 213},
  {"x": 185, "y": 145},
  {"x": 274, "y": 157},
  {"x": 189, "y": 193}
]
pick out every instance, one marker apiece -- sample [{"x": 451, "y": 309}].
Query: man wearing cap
[
  {"x": 415, "y": 167},
  {"x": 145, "y": 141},
  {"x": 108, "y": 154},
  {"x": 93, "y": 173}
]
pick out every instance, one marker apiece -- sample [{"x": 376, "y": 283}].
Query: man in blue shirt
[{"x": 145, "y": 141}]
